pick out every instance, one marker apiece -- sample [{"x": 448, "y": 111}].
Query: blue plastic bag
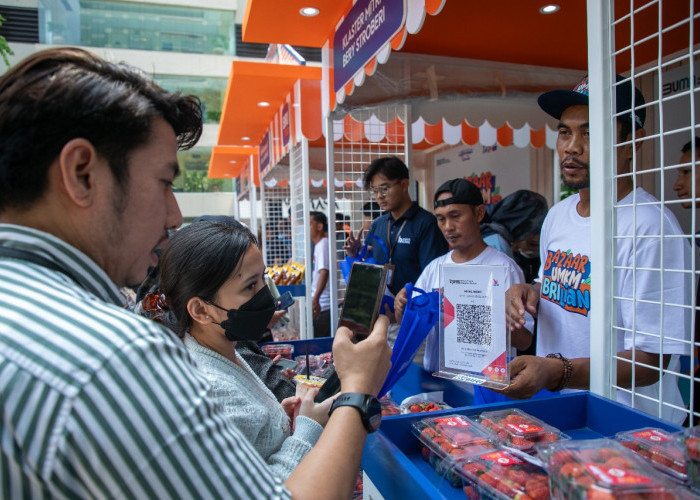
[
  {"x": 419, "y": 316},
  {"x": 363, "y": 255}
]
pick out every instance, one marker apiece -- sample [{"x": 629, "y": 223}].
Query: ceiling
[
  {"x": 511, "y": 31},
  {"x": 506, "y": 30},
  {"x": 528, "y": 52}
]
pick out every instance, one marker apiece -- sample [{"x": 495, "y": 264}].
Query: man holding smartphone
[{"x": 96, "y": 367}]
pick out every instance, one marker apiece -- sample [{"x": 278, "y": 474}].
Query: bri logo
[
  {"x": 405, "y": 241},
  {"x": 495, "y": 283}
]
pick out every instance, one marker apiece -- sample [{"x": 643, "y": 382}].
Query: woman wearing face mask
[{"x": 212, "y": 275}]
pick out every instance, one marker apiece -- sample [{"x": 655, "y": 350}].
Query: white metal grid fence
[
  {"x": 350, "y": 160},
  {"x": 652, "y": 253},
  {"x": 299, "y": 216},
  {"x": 277, "y": 236}
]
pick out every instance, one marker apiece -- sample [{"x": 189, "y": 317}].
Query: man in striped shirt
[{"x": 96, "y": 401}]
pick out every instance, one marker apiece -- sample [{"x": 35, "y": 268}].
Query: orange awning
[
  {"x": 251, "y": 83},
  {"x": 512, "y": 31},
  {"x": 244, "y": 122},
  {"x": 280, "y": 21},
  {"x": 229, "y": 161},
  {"x": 425, "y": 135}
]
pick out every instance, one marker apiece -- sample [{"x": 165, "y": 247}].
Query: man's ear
[
  {"x": 77, "y": 163},
  {"x": 199, "y": 311},
  {"x": 639, "y": 134},
  {"x": 480, "y": 211}
]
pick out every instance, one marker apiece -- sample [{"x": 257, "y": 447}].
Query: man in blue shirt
[{"x": 410, "y": 233}]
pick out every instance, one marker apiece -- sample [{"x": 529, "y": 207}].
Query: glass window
[
  {"x": 210, "y": 91},
  {"x": 126, "y": 25},
  {"x": 194, "y": 165}
]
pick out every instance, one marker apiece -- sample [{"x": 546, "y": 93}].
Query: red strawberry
[{"x": 537, "y": 490}]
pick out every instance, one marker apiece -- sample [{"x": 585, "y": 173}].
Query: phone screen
[
  {"x": 286, "y": 363},
  {"x": 362, "y": 298}
]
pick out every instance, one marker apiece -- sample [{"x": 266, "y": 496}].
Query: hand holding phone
[
  {"x": 363, "y": 298},
  {"x": 285, "y": 301},
  {"x": 285, "y": 363}
]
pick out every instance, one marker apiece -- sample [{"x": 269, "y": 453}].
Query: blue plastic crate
[
  {"x": 394, "y": 464},
  {"x": 297, "y": 290},
  {"x": 316, "y": 346}
]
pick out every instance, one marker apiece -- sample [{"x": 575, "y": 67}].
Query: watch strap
[{"x": 366, "y": 404}]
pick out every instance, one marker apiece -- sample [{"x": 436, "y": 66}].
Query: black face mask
[{"x": 249, "y": 322}]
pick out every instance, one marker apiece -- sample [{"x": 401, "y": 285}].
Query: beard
[
  {"x": 583, "y": 183},
  {"x": 576, "y": 185}
]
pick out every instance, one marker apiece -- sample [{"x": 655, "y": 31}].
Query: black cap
[
  {"x": 556, "y": 101},
  {"x": 463, "y": 192}
]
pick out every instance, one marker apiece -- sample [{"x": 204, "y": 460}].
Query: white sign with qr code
[{"x": 473, "y": 334}]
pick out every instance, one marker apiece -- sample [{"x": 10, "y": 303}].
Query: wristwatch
[{"x": 369, "y": 407}]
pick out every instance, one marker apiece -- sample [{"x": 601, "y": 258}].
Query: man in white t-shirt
[
  {"x": 320, "y": 293},
  {"x": 459, "y": 209},
  {"x": 562, "y": 297}
]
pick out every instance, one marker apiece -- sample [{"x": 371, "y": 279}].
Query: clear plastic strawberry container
[
  {"x": 503, "y": 475},
  {"x": 389, "y": 407},
  {"x": 446, "y": 438},
  {"x": 284, "y": 350},
  {"x": 661, "y": 449},
  {"x": 691, "y": 441},
  {"x": 423, "y": 406},
  {"x": 516, "y": 429},
  {"x": 603, "y": 469}
]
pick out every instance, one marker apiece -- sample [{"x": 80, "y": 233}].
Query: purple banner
[
  {"x": 264, "y": 152},
  {"x": 366, "y": 28},
  {"x": 285, "y": 124}
]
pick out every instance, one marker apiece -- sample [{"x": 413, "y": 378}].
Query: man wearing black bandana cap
[
  {"x": 459, "y": 208},
  {"x": 562, "y": 297}
]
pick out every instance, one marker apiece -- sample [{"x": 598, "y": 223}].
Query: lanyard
[{"x": 388, "y": 237}]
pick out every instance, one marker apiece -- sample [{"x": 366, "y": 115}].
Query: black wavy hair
[{"x": 59, "y": 94}]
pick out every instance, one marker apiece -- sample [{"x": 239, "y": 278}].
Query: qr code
[{"x": 473, "y": 324}]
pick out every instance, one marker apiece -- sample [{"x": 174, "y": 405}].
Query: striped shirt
[{"x": 98, "y": 402}]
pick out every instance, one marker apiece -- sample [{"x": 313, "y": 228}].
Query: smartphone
[
  {"x": 285, "y": 363},
  {"x": 363, "y": 298},
  {"x": 285, "y": 301}
]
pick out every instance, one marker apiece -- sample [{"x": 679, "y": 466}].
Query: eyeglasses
[{"x": 381, "y": 190}]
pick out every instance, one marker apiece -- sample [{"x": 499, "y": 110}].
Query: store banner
[
  {"x": 367, "y": 27},
  {"x": 265, "y": 152},
  {"x": 285, "y": 125}
]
